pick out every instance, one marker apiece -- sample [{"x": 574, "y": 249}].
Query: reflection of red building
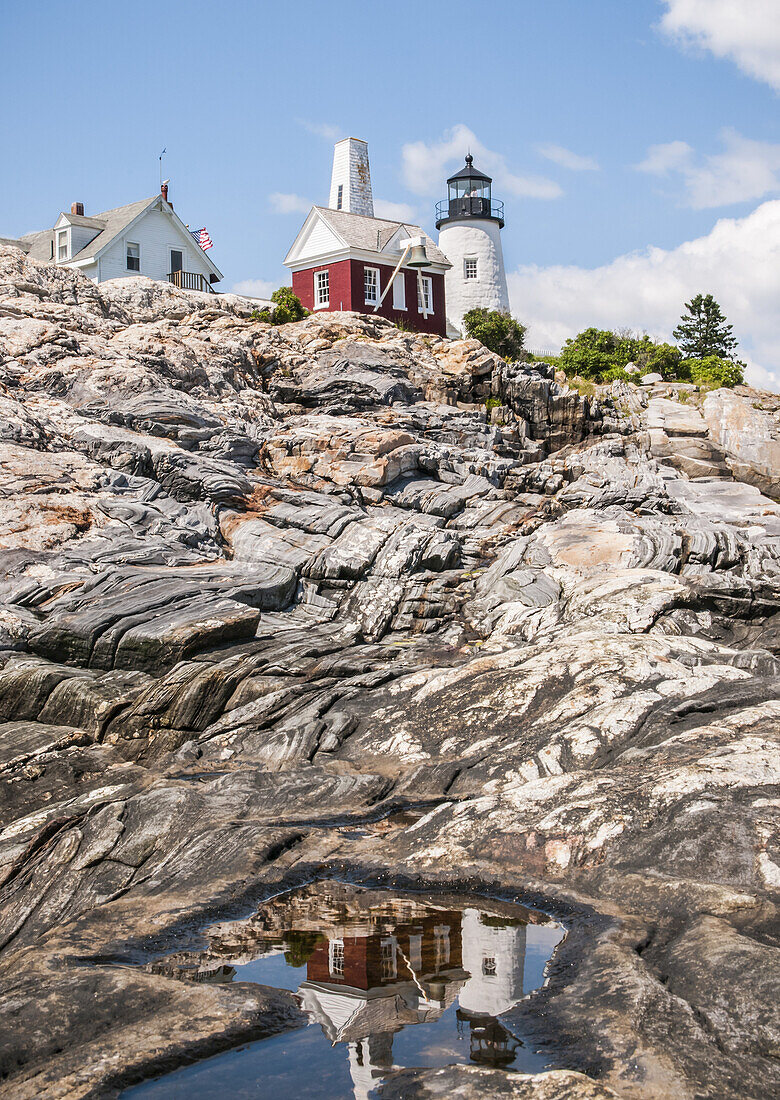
[{"x": 403, "y": 953}]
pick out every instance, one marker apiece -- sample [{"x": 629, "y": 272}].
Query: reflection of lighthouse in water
[
  {"x": 362, "y": 989},
  {"x": 494, "y": 955}
]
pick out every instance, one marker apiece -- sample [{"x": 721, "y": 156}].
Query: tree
[
  {"x": 703, "y": 332},
  {"x": 498, "y": 331},
  {"x": 287, "y": 307}
]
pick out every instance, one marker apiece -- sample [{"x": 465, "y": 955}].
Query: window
[
  {"x": 371, "y": 283},
  {"x": 387, "y": 958},
  {"x": 62, "y": 244},
  {"x": 399, "y": 291},
  {"x": 470, "y": 267},
  {"x": 441, "y": 946},
  {"x": 336, "y": 958},
  {"x": 489, "y": 966},
  {"x": 425, "y": 300},
  {"x": 133, "y": 257},
  {"x": 340, "y": 199},
  {"x": 321, "y": 289}
]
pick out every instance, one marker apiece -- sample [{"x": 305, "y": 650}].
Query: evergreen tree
[{"x": 703, "y": 332}]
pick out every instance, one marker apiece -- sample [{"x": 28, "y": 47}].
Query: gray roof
[
  {"x": 16, "y": 243},
  {"x": 79, "y": 219},
  {"x": 360, "y": 231},
  {"x": 114, "y": 221}
]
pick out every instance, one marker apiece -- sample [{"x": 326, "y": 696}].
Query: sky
[{"x": 635, "y": 143}]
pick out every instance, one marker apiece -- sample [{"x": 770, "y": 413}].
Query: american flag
[{"x": 203, "y": 238}]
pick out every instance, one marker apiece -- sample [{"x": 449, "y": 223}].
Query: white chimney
[{"x": 350, "y": 184}]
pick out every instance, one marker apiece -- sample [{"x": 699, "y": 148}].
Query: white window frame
[
  {"x": 63, "y": 236},
  {"x": 336, "y": 958},
  {"x": 467, "y": 261},
  {"x": 387, "y": 958},
  {"x": 399, "y": 291},
  {"x": 321, "y": 302},
  {"x": 375, "y": 272},
  {"x": 340, "y": 197},
  {"x": 425, "y": 282},
  {"x": 128, "y": 246}
]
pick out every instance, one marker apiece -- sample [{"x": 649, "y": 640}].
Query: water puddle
[{"x": 386, "y": 979}]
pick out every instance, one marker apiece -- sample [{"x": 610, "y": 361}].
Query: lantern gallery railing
[
  {"x": 190, "y": 280},
  {"x": 467, "y": 206}
]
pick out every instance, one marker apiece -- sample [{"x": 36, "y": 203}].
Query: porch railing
[{"x": 190, "y": 280}]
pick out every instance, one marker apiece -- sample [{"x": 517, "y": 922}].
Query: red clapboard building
[{"x": 345, "y": 261}]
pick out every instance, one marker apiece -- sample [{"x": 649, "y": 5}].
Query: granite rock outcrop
[{"x": 260, "y": 586}]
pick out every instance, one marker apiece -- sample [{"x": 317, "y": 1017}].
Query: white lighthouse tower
[{"x": 470, "y": 221}]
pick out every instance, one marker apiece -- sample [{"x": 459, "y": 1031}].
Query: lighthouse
[{"x": 470, "y": 221}]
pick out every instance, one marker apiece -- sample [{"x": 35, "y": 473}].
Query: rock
[
  {"x": 278, "y": 603},
  {"x": 477, "y": 1083},
  {"x": 651, "y": 379},
  {"x": 749, "y": 436}
]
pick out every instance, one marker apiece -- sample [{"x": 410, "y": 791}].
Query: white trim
[
  {"x": 318, "y": 303},
  {"x": 374, "y": 259},
  {"x": 66, "y": 234},
  {"x": 422, "y": 309},
  {"x": 313, "y": 215},
  {"x": 335, "y": 955},
  {"x": 133, "y": 244},
  {"x": 378, "y": 273}
]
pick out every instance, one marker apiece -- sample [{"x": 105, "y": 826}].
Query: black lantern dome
[{"x": 469, "y": 197}]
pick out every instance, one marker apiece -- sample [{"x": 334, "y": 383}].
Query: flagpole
[{"x": 160, "y": 160}]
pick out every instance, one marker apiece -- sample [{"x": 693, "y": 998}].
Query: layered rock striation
[{"x": 260, "y": 584}]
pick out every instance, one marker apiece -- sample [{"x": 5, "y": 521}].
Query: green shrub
[
  {"x": 617, "y": 374},
  {"x": 711, "y": 371},
  {"x": 493, "y": 403},
  {"x": 287, "y": 308},
  {"x": 602, "y": 356},
  {"x": 499, "y": 332}
]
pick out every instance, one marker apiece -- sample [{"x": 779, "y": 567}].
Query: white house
[{"x": 142, "y": 238}]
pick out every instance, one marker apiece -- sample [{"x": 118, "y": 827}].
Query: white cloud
[
  {"x": 289, "y": 204},
  {"x": 567, "y": 159},
  {"x": 746, "y": 170},
  {"x": 425, "y": 167},
  {"x": 745, "y": 31},
  {"x": 738, "y": 261},
  {"x": 254, "y": 288},
  {"x": 322, "y": 129},
  {"x": 674, "y": 156},
  {"x": 395, "y": 211}
]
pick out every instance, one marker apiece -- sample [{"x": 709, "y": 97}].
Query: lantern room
[{"x": 468, "y": 196}]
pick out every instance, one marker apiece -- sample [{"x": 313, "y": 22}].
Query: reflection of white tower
[
  {"x": 495, "y": 959},
  {"x": 370, "y": 1060},
  {"x": 350, "y": 184},
  {"x": 469, "y": 221}
]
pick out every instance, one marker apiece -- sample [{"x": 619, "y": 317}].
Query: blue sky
[{"x": 610, "y": 127}]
